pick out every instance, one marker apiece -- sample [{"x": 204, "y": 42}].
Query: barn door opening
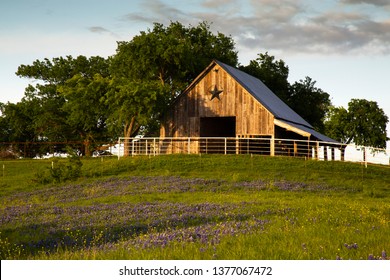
[{"x": 218, "y": 127}]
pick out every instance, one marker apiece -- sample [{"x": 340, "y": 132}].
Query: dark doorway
[{"x": 218, "y": 127}]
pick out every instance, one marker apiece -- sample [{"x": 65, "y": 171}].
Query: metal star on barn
[{"x": 215, "y": 93}]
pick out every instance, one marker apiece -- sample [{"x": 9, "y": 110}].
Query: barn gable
[{"x": 226, "y": 102}]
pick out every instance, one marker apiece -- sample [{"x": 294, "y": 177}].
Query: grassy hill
[{"x": 195, "y": 207}]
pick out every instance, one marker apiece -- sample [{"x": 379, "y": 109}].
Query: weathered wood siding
[{"x": 183, "y": 120}]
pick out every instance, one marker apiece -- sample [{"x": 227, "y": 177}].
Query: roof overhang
[
  {"x": 292, "y": 128},
  {"x": 305, "y": 131}
]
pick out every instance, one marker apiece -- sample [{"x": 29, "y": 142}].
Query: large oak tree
[
  {"x": 150, "y": 70},
  {"x": 363, "y": 123},
  {"x": 273, "y": 73},
  {"x": 65, "y": 100},
  {"x": 310, "y": 102},
  {"x": 173, "y": 55}
]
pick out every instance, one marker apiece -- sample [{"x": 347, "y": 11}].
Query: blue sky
[{"x": 344, "y": 45}]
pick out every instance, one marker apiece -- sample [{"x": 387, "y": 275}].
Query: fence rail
[
  {"x": 42, "y": 149},
  {"x": 267, "y": 146},
  {"x": 260, "y": 146}
]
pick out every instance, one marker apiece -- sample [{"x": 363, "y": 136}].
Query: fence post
[
  {"x": 225, "y": 145},
  {"x": 295, "y": 148},
  {"x": 119, "y": 148},
  {"x": 365, "y": 156},
  {"x": 132, "y": 148},
  {"x": 189, "y": 145},
  {"x": 272, "y": 144},
  {"x": 308, "y": 148}
]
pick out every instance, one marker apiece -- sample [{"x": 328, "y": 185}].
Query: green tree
[
  {"x": 70, "y": 98},
  {"x": 336, "y": 123},
  {"x": 273, "y": 73},
  {"x": 86, "y": 109},
  {"x": 16, "y": 122},
  {"x": 149, "y": 71},
  {"x": 17, "y": 125},
  {"x": 133, "y": 104},
  {"x": 173, "y": 55},
  {"x": 364, "y": 123},
  {"x": 48, "y": 120},
  {"x": 85, "y": 95},
  {"x": 310, "y": 102}
]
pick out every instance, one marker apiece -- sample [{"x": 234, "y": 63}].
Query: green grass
[{"x": 196, "y": 207}]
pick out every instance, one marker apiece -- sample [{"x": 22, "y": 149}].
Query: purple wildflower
[
  {"x": 352, "y": 246},
  {"x": 384, "y": 255}
]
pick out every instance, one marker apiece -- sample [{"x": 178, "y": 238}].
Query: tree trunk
[
  {"x": 87, "y": 151},
  {"x": 128, "y": 130},
  {"x": 86, "y": 143},
  {"x": 343, "y": 147},
  {"x": 161, "y": 77}
]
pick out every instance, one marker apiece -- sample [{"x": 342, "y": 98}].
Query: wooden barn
[{"x": 226, "y": 102}]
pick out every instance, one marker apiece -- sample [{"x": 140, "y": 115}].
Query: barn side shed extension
[{"x": 226, "y": 102}]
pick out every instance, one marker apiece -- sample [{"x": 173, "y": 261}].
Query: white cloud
[
  {"x": 56, "y": 44},
  {"x": 212, "y": 4},
  {"x": 379, "y": 3},
  {"x": 292, "y": 26},
  {"x": 157, "y": 11}
]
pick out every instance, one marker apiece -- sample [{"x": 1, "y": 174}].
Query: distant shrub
[{"x": 62, "y": 171}]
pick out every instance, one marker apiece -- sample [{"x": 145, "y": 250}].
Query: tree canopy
[
  {"x": 173, "y": 55},
  {"x": 273, "y": 73},
  {"x": 63, "y": 104},
  {"x": 310, "y": 102},
  {"x": 363, "y": 123}
]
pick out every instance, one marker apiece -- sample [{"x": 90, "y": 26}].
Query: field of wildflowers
[{"x": 198, "y": 207}]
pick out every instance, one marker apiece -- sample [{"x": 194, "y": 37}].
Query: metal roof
[
  {"x": 273, "y": 103},
  {"x": 265, "y": 96},
  {"x": 311, "y": 131}
]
